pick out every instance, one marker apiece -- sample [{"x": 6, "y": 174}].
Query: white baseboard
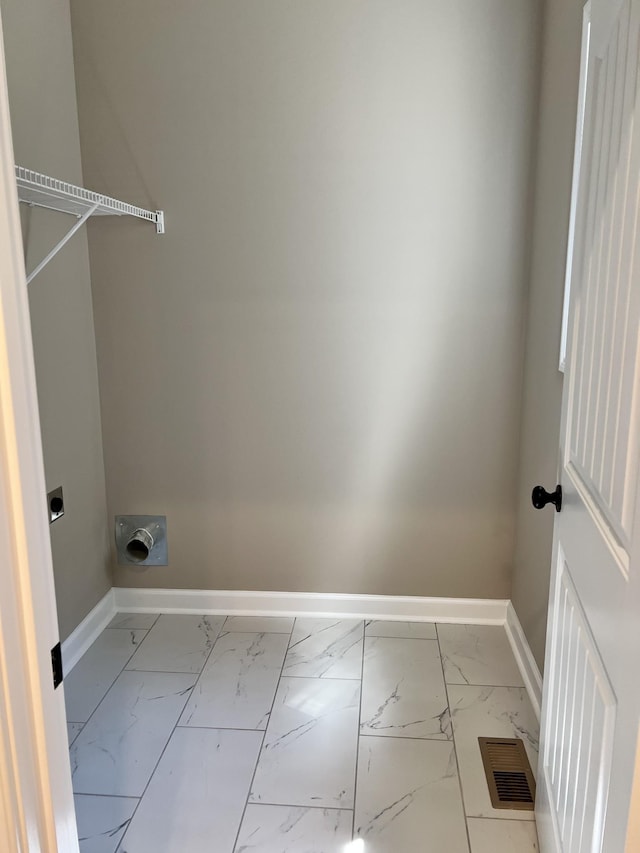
[
  {"x": 476, "y": 611},
  {"x": 87, "y": 631},
  {"x": 524, "y": 658}
]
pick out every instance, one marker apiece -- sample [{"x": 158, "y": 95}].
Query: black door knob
[{"x": 540, "y": 497}]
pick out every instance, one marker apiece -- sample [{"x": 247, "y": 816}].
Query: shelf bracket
[{"x": 81, "y": 220}]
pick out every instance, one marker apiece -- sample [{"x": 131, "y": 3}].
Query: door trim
[{"x": 36, "y": 801}]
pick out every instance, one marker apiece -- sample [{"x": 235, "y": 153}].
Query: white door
[{"x": 591, "y": 702}]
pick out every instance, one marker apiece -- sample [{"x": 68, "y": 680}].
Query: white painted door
[{"x": 591, "y": 702}]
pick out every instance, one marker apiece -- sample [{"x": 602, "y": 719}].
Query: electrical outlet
[{"x": 55, "y": 503}]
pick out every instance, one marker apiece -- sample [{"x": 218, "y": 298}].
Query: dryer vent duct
[
  {"x": 140, "y": 545},
  {"x": 141, "y": 540}
]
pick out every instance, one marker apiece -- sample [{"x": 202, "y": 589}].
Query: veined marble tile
[
  {"x": 177, "y": 643},
  {"x": 102, "y": 821},
  {"x": 408, "y": 630},
  {"x": 478, "y": 654},
  {"x": 291, "y": 829},
  {"x": 403, "y": 692},
  {"x": 97, "y": 669},
  {"x": 259, "y": 624},
  {"x": 238, "y": 683},
  {"x": 325, "y": 648},
  {"x": 195, "y": 800},
  {"x": 146, "y": 621},
  {"x": 408, "y": 797},
  {"x": 309, "y": 752},
  {"x": 502, "y": 836},
  {"x": 73, "y": 730},
  {"x": 117, "y": 750},
  {"x": 489, "y": 712}
]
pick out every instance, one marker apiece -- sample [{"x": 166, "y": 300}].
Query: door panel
[
  {"x": 577, "y": 757},
  {"x": 602, "y": 409}
]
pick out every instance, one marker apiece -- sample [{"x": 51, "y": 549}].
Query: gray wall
[
  {"x": 542, "y": 380},
  {"x": 316, "y": 373},
  {"x": 45, "y": 136}
]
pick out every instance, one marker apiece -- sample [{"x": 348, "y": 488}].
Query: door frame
[{"x": 36, "y": 800}]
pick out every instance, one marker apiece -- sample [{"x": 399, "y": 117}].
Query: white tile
[
  {"x": 478, "y": 654},
  {"x": 259, "y": 624},
  {"x": 403, "y": 692},
  {"x": 177, "y": 643},
  {"x": 309, "y": 752},
  {"x": 502, "y": 836},
  {"x": 96, "y": 671},
  {"x": 117, "y": 750},
  {"x": 102, "y": 821},
  {"x": 489, "y": 712},
  {"x": 408, "y": 797},
  {"x": 291, "y": 829},
  {"x": 325, "y": 648},
  {"x": 409, "y": 630},
  {"x": 144, "y": 621},
  {"x": 73, "y": 730},
  {"x": 238, "y": 683},
  {"x": 195, "y": 800}
]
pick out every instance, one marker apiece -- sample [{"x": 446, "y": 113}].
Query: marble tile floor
[{"x": 249, "y": 734}]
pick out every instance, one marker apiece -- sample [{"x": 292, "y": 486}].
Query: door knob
[{"x": 540, "y": 497}]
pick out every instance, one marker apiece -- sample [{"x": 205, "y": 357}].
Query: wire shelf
[{"x": 42, "y": 191}]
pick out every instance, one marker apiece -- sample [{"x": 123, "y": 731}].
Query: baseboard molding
[
  {"x": 524, "y": 658},
  {"x": 475, "y": 611},
  {"x": 87, "y": 631}
]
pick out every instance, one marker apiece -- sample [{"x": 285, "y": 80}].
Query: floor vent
[{"x": 509, "y": 777}]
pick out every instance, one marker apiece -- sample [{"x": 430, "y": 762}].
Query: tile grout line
[
  {"x": 399, "y": 637},
  {"x": 318, "y": 677},
  {"x": 148, "y": 630},
  {"x": 408, "y": 737},
  {"x": 164, "y": 749},
  {"x": 453, "y": 741},
  {"x": 217, "y": 728},
  {"x": 121, "y": 628},
  {"x": 106, "y": 796},
  {"x": 298, "y": 806},
  {"x": 264, "y": 735},
  {"x": 77, "y": 734},
  {"x": 355, "y": 780},
  {"x": 324, "y": 677},
  {"x": 516, "y": 819},
  {"x": 171, "y": 671},
  {"x": 110, "y": 687},
  {"x": 490, "y": 686},
  {"x": 258, "y": 805}
]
